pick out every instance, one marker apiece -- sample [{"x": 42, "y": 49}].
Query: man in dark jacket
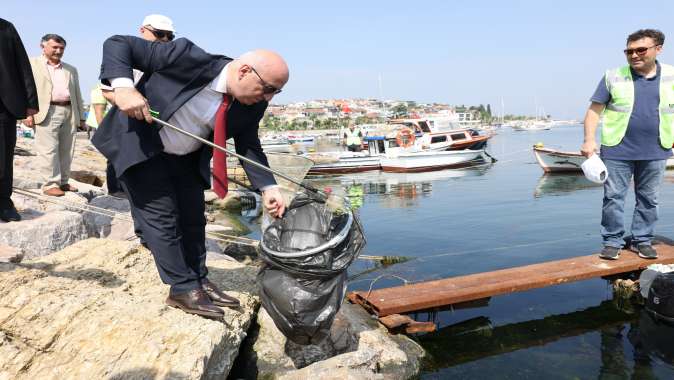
[
  {"x": 163, "y": 172},
  {"x": 18, "y": 100}
]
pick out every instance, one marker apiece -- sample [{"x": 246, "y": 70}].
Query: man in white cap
[{"x": 157, "y": 28}]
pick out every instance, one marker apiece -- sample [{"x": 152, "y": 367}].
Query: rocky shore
[{"x": 80, "y": 298}]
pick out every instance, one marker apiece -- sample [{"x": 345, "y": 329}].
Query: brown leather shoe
[
  {"x": 54, "y": 192},
  {"x": 195, "y": 302},
  {"x": 68, "y": 187},
  {"x": 217, "y": 296}
]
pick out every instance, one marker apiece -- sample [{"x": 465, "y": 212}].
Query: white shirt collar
[{"x": 219, "y": 84}]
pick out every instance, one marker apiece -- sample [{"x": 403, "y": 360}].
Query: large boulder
[
  {"x": 115, "y": 224},
  {"x": 96, "y": 311},
  {"x": 358, "y": 348},
  {"x": 40, "y": 235}
]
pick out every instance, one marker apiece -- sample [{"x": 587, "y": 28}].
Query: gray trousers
[{"x": 55, "y": 145}]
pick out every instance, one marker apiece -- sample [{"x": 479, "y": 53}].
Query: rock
[
  {"x": 33, "y": 203},
  {"x": 231, "y": 202},
  {"x": 86, "y": 190},
  {"x": 96, "y": 311},
  {"x": 210, "y": 196},
  {"x": 358, "y": 348},
  {"x": 10, "y": 254},
  {"x": 117, "y": 227},
  {"x": 41, "y": 234},
  {"x": 231, "y": 222},
  {"x": 88, "y": 177}
]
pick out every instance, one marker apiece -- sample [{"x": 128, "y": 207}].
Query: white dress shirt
[{"x": 197, "y": 115}]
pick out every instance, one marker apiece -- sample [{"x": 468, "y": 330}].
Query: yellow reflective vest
[{"x": 617, "y": 113}]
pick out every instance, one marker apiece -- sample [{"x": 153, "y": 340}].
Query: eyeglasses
[
  {"x": 161, "y": 34},
  {"x": 640, "y": 50},
  {"x": 266, "y": 87}
]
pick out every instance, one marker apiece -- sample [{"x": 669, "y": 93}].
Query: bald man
[{"x": 164, "y": 172}]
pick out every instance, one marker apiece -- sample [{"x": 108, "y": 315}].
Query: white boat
[
  {"x": 414, "y": 157},
  {"x": 533, "y": 126},
  {"x": 428, "y": 160},
  {"x": 343, "y": 162},
  {"x": 275, "y": 144},
  {"x": 440, "y": 134},
  {"x": 300, "y": 138},
  {"x": 556, "y": 161},
  {"x": 385, "y": 153}
]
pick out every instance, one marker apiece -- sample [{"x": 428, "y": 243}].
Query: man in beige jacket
[{"x": 61, "y": 112}]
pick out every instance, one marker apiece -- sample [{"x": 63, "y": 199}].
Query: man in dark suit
[
  {"x": 18, "y": 99},
  {"x": 164, "y": 172}
]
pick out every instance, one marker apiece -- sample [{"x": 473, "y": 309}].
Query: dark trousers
[
  {"x": 7, "y": 144},
  {"x": 167, "y": 204},
  {"x": 111, "y": 179}
]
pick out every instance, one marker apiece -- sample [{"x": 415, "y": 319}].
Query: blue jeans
[{"x": 647, "y": 179}]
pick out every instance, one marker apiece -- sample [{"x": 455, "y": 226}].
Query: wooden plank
[
  {"x": 438, "y": 293},
  {"x": 397, "y": 322}
]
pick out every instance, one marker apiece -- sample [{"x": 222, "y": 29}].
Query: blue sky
[{"x": 458, "y": 52}]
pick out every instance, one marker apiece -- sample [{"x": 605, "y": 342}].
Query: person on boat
[
  {"x": 636, "y": 102},
  {"x": 353, "y": 138}
]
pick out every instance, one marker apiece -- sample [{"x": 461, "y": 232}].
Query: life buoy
[{"x": 405, "y": 138}]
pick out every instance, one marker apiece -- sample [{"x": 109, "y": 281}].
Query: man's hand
[
  {"x": 132, "y": 103},
  {"x": 588, "y": 148},
  {"x": 273, "y": 202},
  {"x": 590, "y": 123},
  {"x": 29, "y": 122}
]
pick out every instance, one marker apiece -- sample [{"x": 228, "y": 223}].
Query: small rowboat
[{"x": 557, "y": 161}]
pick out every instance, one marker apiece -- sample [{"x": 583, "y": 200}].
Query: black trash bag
[
  {"x": 660, "y": 300},
  {"x": 306, "y": 254},
  {"x": 303, "y": 309}
]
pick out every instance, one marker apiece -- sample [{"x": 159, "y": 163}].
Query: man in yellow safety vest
[
  {"x": 636, "y": 103},
  {"x": 353, "y": 138}
]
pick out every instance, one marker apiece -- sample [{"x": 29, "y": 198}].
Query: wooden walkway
[{"x": 450, "y": 291}]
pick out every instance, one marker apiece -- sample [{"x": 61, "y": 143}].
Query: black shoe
[
  {"x": 10, "y": 214},
  {"x": 645, "y": 251},
  {"x": 610, "y": 253}
]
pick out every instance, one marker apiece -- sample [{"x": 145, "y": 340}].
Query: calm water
[{"x": 458, "y": 222}]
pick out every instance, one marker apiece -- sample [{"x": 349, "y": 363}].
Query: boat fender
[{"x": 405, "y": 138}]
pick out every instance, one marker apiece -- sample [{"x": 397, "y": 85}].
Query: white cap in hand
[{"x": 594, "y": 169}]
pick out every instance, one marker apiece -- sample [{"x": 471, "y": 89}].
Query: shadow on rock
[
  {"x": 241, "y": 279},
  {"x": 146, "y": 373},
  {"x": 102, "y": 277}
]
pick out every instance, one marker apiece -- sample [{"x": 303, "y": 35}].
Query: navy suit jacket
[
  {"x": 17, "y": 92},
  {"x": 174, "y": 72}
]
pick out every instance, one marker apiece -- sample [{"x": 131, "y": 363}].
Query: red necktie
[{"x": 219, "y": 157}]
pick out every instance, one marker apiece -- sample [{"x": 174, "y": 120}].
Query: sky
[{"x": 527, "y": 55}]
